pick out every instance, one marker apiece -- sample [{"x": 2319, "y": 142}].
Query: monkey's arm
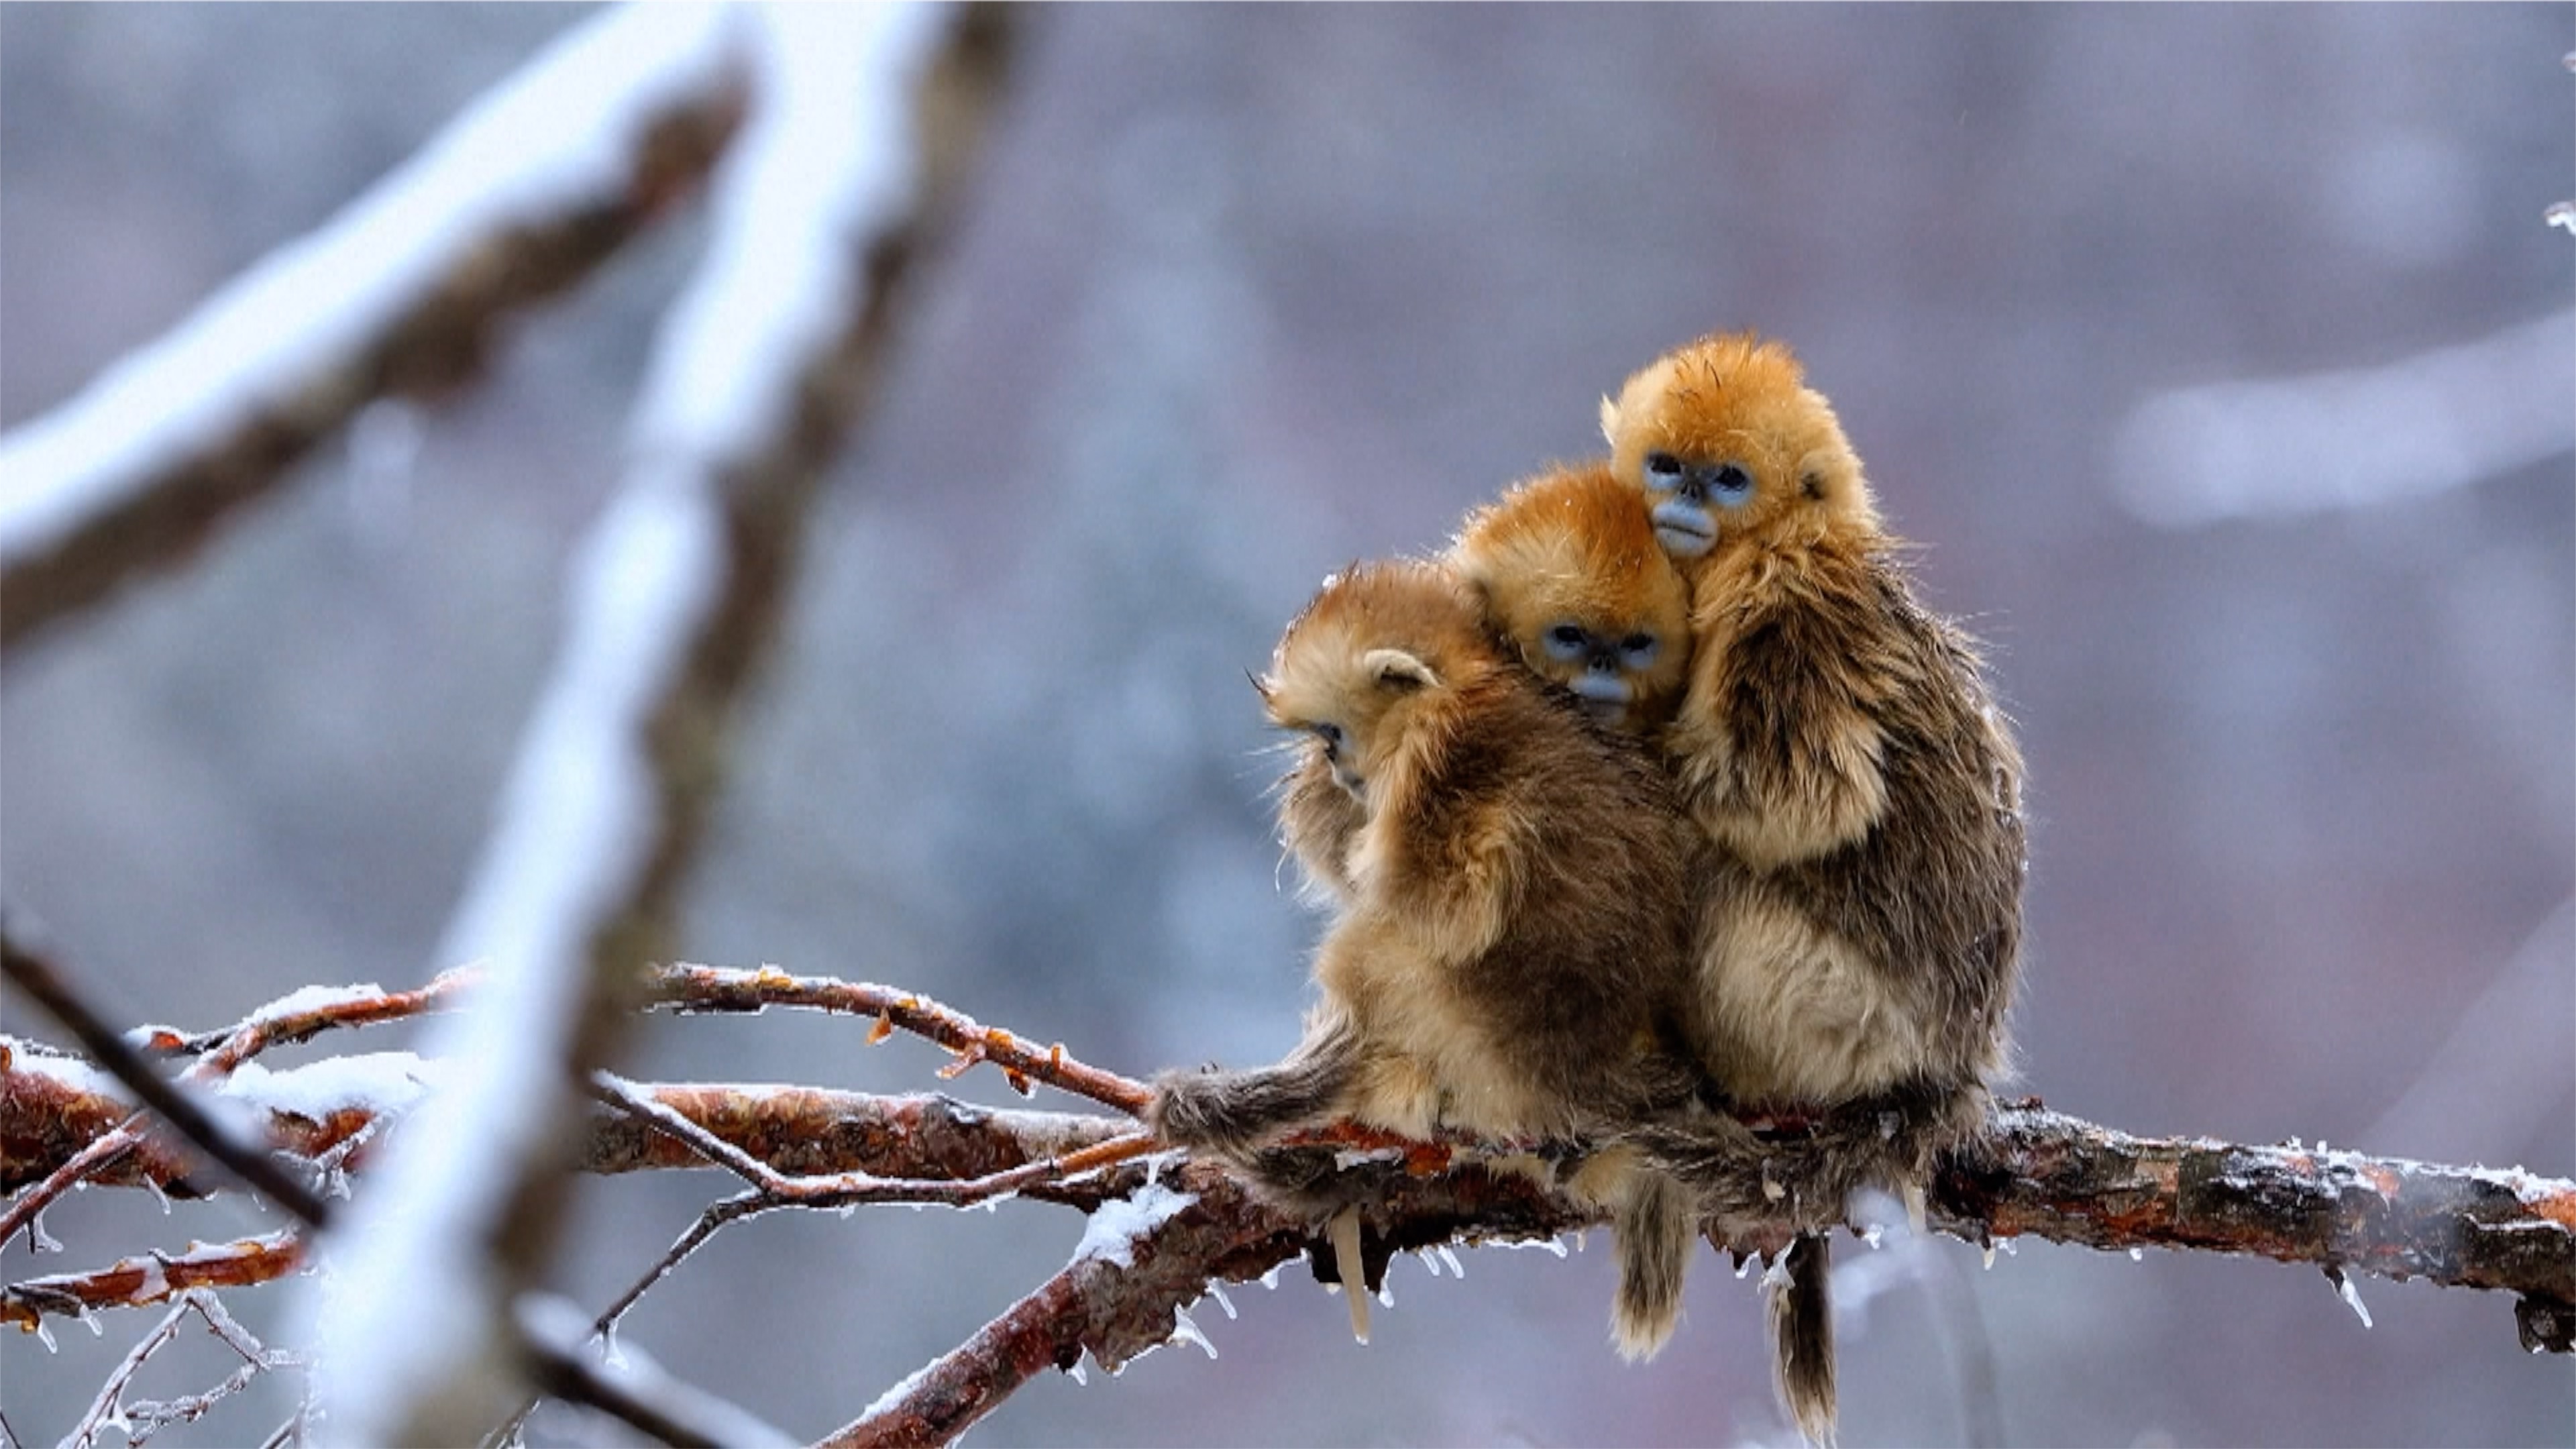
[
  {"x": 1781, "y": 744},
  {"x": 1234, "y": 1112}
]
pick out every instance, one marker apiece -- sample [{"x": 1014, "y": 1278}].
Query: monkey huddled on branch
[{"x": 1662, "y": 827}]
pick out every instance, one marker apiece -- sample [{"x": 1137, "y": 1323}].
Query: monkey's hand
[
  {"x": 1228, "y": 1113},
  {"x": 1782, "y": 743},
  {"x": 1319, "y": 822}
]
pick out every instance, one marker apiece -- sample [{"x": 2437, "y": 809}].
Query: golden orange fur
[
  {"x": 1862, "y": 915},
  {"x": 1570, "y": 572},
  {"x": 1516, "y": 920}
]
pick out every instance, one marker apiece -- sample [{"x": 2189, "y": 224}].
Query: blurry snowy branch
[
  {"x": 2562, "y": 214},
  {"x": 858, "y": 123},
  {"x": 1163, "y": 1234},
  {"x": 398, "y": 296},
  {"x": 2281, "y": 447}
]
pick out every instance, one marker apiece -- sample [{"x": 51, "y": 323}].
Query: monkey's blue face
[
  {"x": 1598, "y": 666},
  {"x": 1687, "y": 499}
]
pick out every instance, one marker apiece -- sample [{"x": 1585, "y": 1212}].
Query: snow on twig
[
  {"x": 211, "y": 1130},
  {"x": 517, "y": 199},
  {"x": 152, "y": 1278},
  {"x": 290, "y": 1019}
]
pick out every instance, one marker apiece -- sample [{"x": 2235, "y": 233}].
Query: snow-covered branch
[
  {"x": 399, "y": 295},
  {"x": 2287, "y": 446}
]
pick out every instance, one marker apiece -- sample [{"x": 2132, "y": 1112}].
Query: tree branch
[
  {"x": 2055, "y": 1177},
  {"x": 153, "y": 1278},
  {"x": 31, "y": 970},
  {"x": 1158, "y": 1242}
]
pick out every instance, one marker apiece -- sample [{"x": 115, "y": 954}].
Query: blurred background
[{"x": 2218, "y": 358}]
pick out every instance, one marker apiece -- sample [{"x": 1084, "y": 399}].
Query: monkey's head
[
  {"x": 1568, "y": 570},
  {"x": 1728, "y": 443},
  {"x": 1380, "y": 651}
]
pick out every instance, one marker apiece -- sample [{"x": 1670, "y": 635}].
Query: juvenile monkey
[
  {"x": 1516, "y": 914},
  {"x": 1569, "y": 569},
  {"x": 1863, "y": 916}
]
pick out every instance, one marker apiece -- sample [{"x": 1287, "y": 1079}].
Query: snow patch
[
  {"x": 1116, "y": 1225},
  {"x": 72, "y": 1073},
  {"x": 381, "y": 1084},
  {"x": 304, "y": 999}
]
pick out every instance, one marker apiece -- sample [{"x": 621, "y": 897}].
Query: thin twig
[
  {"x": 693, "y": 988},
  {"x": 151, "y": 1416},
  {"x": 139, "y": 1421},
  {"x": 104, "y": 1407},
  {"x": 771, "y": 1189},
  {"x": 850, "y": 1189},
  {"x": 303, "y": 1016}
]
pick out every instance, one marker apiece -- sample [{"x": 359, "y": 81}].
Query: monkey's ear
[
  {"x": 1398, "y": 670},
  {"x": 1609, "y": 421}
]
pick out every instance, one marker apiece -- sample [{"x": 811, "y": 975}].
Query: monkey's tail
[
  {"x": 1802, "y": 1335},
  {"x": 1656, "y": 1231}
]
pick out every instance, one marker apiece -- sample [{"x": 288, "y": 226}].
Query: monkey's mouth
[
  {"x": 1603, "y": 696},
  {"x": 1685, "y": 530}
]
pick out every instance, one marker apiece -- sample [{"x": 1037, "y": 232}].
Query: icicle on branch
[
  {"x": 136, "y": 1421},
  {"x": 515, "y": 201}
]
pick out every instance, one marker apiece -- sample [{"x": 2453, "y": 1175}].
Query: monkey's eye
[
  {"x": 1330, "y": 734},
  {"x": 1638, "y": 650},
  {"x": 1566, "y": 642},
  {"x": 1663, "y": 471},
  {"x": 1730, "y": 483}
]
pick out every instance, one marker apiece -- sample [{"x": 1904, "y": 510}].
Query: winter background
[{"x": 2218, "y": 358}]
